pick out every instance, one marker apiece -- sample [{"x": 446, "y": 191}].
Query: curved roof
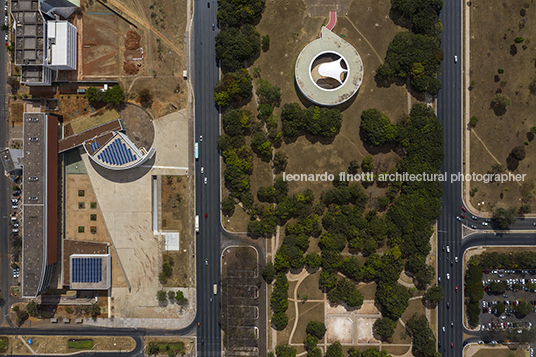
[
  {"x": 117, "y": 152},
  {"x": 329, "y": 43}
]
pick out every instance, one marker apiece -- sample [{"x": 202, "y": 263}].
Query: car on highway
[
  {"x": 206, "y": 215},
  {"x": 206, "y": 261},
  {"x": 462, "y": 215},
  {"x": 485, "y": 223},
  {"x": 458, "y": 218},
  {"x": 200, "y": 137},
  {"x": 455, "y": 59},
  {"x": 463, "y": 209},
  {"x": 448, "y": 249},
  {"x": 438, "y": 279},
  {"x": 451, "y": 262},
  {"x": 212, "y": 27},
  {"x": 451, "y": 345},
  {"x": 202, "y": 169},
  {"x": 452, "y": 324},
  {"x": 473, "y": 226},
  {"x": 206, "y": 181},
  {"x": 474, "y": 218},
  {"x": 443, "y": 328},
  {"x": 456, "y": 259},
  {"x": 448, "y": 305},
  {"x": 456, "y": 288},
  {"x": 208, "y": 5},
  {"x": 448, "y": 276},
  {"x": 16, "y": 224}
]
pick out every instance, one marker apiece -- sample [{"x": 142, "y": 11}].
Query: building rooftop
[
  {"x": 310, "y": 72},
  {"x": 90, "y": 271}
]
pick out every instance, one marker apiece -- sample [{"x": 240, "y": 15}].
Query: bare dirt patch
[
  {"x": 138, "y": 125},
  {"x": 17, "y": 109},
  {"x": 365, "y": 330},
  {"x": 493, "y": 50},
  {"x": 339, "y": 329}
]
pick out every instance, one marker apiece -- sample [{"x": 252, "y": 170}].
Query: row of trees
[
  {"x": 113, "y": 95},
  {"x": 333, "y": 350},
  {"x": 424, "y": 341},
  {"x": 315, "y": 120},
  {"x": 415, "y": 54}
]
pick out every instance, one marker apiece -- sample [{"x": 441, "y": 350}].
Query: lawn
[
  {"x": 368, "y": 290},
  {"x": 400, "y": 335},
  {"x": 395, "y": 350},
  {"x": 90, "y": 121},
  {"x": 414, "y": 307},
  {"x": 494, "y": 50},
  {"x": 80, "y": 344},
  {"x": 307, "y": 311},
  {"x": 500, "y": 351},
  {"x": 309, "y": 288},
  {"x": 284, "y": 335}
]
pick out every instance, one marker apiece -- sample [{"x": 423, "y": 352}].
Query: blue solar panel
[
  {"x": 86, "y": 270},
  {"x": 116, "y": 153},
  {"x": 94, "y": 146}
]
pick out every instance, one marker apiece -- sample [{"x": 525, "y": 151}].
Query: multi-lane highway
[
  {"x": 207, "y": 200},
  {"x": 449, "y": 111}
]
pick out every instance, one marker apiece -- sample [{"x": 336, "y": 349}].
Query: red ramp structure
[{"x": 332, "y": 20}]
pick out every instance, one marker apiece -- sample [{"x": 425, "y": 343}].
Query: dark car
[
  {"x": 451, "y": 345},
  {"x": 448, "y": 305},
  {"x": 206, "y": 215},
  {"x": 463, "y": 208},
  {"x": 208, "y": 5}
]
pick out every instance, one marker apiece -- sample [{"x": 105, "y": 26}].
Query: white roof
[
  {"x": 57, "y": 38},
  {"x": 332, "y": 70}
]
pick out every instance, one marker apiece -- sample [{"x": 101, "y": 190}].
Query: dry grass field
[{"x": 494, "y": 26}]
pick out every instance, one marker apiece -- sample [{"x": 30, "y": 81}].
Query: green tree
[
  {"x": 334, "y": 350},
  {"x": 505, "y": 217},
  {"x": 146, "y": 97},
  {"x": 237, "y": 44},
  {"x": 161, "y": 295},
  {"x": 367, "y": 164},
  {"x": 353, "y": 167},
  {"x": 310, "y": 342},
  {"x": 268, "y": 273},
  {"x": 519, "y": 39},
  {"x": 522, "y": 309},
  {"x": 473, "y": 121},
  {"x": 501, "y": 307},
  {"x": 265, "y": 43},
  {"x": 377, "y": 127},
  {"x": 500, "y": 102},
  {"x": 171, "y": 295},
  {"x": 316, "y": 329},
  {"x": 267, "y": 92},
  {"x": 94, "y": 95},
  {"x": 234, "y": 14},
  {"x": 313, "y": 260},
  {"x": 153, "y": 348},
  {"x": 285, "y": 351},
  {"x": 435, "y": 294},
  {"x": 393, "y": 298},
  {"x": 32, "y": 308},
  {"x": 385, "y": 328},
  {"x": 228, "y": 204},
  {"x": 94, "y": 310},
  {"x": 179, "y": 295},
  {"x": 114, "y": 95},
  {"x": 315, "y": 352}
]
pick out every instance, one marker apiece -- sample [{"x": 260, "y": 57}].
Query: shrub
[
  {"x": 519, "y": 39},
  {"x": 473, "y": 121}
]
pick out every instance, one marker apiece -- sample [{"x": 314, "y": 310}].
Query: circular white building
[{"x": 329, "y": 70}]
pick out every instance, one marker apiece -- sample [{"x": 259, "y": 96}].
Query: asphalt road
[
  {"x": 207, "y": 124},
  {"x": 5, "y": 205},
  {"x": 449, "y": 111}
]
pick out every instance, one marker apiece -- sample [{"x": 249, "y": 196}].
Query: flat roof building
[
  {"x": 39, "y": 202},
  {"x": 90, "y": 271},
  {"x": 43, "y": 44}
]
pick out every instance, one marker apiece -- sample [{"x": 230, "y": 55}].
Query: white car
[
  {"x": 448, "y": 276},
  {"x": 443, "y": 328},
  {"x": 456, "y": 259},
  {"x": 448, "y": 249},
  {"x": 202, "y": 169},
  {"x": 455, "y": 59},
  {"x": 484, "y": 223},
  {"x": 206, "y": 180},
  {"x": 200, "y": 137}
]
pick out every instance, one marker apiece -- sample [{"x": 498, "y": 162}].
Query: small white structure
[{"x": 332, "y": 70}]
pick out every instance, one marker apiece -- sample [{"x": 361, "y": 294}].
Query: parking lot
[{"x": 509, "y": 301}]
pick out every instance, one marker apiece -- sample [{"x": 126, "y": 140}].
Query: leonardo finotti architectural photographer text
[{"x": 404, "y": 176}]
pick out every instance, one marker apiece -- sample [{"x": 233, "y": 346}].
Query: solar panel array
[
  {"x": 86, "y": 270},
  {"x": 116, "y": 153},
  {"x": 94, "y": 146}
]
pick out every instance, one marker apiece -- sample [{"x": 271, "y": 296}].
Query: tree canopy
[
  {"x": 235, "y": 45},
  {"x": 377, "y": 127}
]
